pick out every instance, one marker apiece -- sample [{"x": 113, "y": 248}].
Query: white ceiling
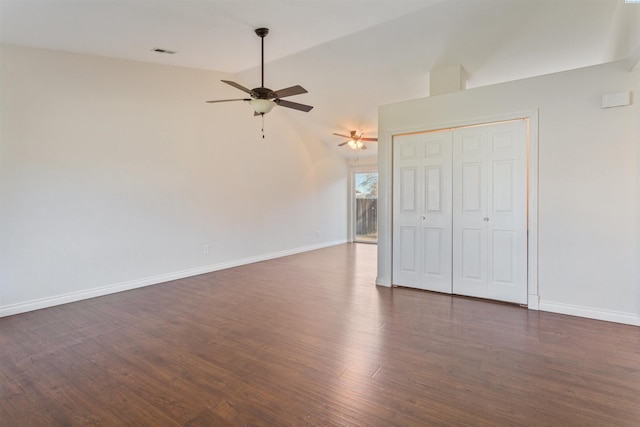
[{"x": 351, "y": 55}]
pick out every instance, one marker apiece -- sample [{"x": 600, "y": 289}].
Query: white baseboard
[
  {"x": 591, "y": 312},
  {"x": 23, "y": 307}
]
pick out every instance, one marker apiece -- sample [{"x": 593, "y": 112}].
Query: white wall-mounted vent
[{"x": 617, "y": 99}]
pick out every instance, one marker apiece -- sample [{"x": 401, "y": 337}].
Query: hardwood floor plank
[{"x": 308, "y": 340}]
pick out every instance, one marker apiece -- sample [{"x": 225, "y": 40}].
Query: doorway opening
[{"x": 365, "y": 208}]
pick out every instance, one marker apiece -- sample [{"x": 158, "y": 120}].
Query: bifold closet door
[
  {"x": 422, "y": 212},
  {"x": 490, "y": 211}
]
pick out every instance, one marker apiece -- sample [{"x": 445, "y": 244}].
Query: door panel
[
  {"x": 406, "y": 250},
  {"x": 408, "y": 184},
  {"x": 472, "y": 181},
  {"x": 422, "y": 202},
  {"x": 433, "y": 252},
  {"x": 434, "y": 188},
  {"x": 469, "y": 207},
  {"x": 408, "y": 246},
  {"x": 503, "y": 256},
  {"x": 503, "y": 183},
  {"x": 471, "y": 244},
  {"x": 489, "y": 212},
  {"x": 437, "y": 213},
  {"x": 508, "y": 212}
]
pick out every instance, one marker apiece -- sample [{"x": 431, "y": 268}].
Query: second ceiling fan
[
  {"x": 264, "y": 99},
  {"x": 355, "y": 140}
]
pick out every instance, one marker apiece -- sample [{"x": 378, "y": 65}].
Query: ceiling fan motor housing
[
  {"x": 262, "y": 93},
  {"x": 262, "y": 32}
]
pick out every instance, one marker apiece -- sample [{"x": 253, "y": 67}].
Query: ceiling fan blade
[
  {"x": 237, "y": 86},
  {"x": 344, "y": 136},
  {"x": 294, "y": 105},
  {"x": 368, "y": 139},
  {"x": 290, "y": 91},
  {"x": 344, "y": 143},
  {"x": 228, "y": 100}
]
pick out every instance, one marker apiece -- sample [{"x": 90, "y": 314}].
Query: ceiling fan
[
  {"x": 355, "y": 140},
  {"x": 264, "y": 99}
]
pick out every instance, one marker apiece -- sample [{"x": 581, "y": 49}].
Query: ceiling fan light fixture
[
  {"x": 355, "y": 144},
  {"x": 262, "y": 106}
]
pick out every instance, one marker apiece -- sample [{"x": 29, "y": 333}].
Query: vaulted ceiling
[{"x": 351, "y": 55}]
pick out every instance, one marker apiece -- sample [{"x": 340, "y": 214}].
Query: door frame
[
  {"x": 385, "y": 195},
  {"x": 353, "y": 170}
]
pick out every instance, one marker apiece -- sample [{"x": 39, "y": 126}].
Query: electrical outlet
[{"x": 205, "y": 249}]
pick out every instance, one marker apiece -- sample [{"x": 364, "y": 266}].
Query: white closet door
[
  {"x": 490, "y": 212},
  {"x": 422, "y": 211}
]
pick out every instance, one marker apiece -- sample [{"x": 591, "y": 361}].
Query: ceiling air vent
[{"x": 167, "y": 51}]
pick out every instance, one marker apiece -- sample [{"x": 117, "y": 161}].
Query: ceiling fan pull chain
[{"x": 262, "y": 125}]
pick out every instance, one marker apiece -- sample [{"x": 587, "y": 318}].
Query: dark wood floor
[{"x": 309, "y": 340}]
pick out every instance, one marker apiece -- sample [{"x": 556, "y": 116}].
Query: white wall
[
  {"x": 115, "y": 174},
  {"x": 588, "y": 211}
]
